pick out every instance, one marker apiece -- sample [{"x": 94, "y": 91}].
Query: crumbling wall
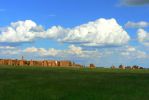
[
  {"x": 44, "y": 63},
  {"x": 92, "y": 66},
  {"x": 65, "y": 63}
]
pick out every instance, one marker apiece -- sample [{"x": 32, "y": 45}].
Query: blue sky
[{"x": 69, "y": 14}]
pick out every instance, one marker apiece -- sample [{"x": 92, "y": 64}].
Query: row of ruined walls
[
  {"x": 127, "y": 67},
  {"x": 44, "y": 63}
]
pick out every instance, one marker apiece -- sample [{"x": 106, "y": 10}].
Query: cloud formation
[
  {"x": 133, "y": 53},
  {"x": 21, "y": 31},
  {"x": 143, "y": 36},
  {"x": 72, "y": 50},
  {"x": 141, "y": 24},
  {"x": 9, "y": 50},
  {"x": 42, "y": 51},
  {"x": 96, "y": 33},
  {"x": 129, "y": 52},
  {"x": 72, "y": 53},
  {"x": 135, "y": 2},
  {"x": 104, "y": 56}
]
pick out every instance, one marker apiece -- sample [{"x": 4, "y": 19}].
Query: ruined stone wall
[
  {"x": 10, "y": 62},
  {"x": 65, "y": 63},
  {"x": 77, "y": 65},
  {"x": 21, "y": 63},
  {"x": 44, "y": 63},
  {"x": 35, "y": 63},
  {"x": 1, "y": 61},
  {"x": 38, "y": 63},
  {"x": 31, "y": 63},
  {"x": 52, "y": 63},
  {"x": 92, "y": 66}
]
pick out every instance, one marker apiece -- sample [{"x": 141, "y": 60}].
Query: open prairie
[{"x": 36, "y": 83}]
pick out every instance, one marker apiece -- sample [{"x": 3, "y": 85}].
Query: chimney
[{"x": 22, "y": 58}]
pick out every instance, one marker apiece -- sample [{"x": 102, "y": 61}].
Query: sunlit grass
[{"x": 37, "y": 83}]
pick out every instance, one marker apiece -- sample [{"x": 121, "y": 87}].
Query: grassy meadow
[{"x": 36, "y": 83}]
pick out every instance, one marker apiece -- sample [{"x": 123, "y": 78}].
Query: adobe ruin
[{"x": 43, "y": 63}]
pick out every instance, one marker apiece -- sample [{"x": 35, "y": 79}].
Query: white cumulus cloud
[
  {"x": 143, "y": 36},
  {"x": 42, "y": 51},
  {"x": 28, "y": 31},
  {"x": 70, "y": 52},
  {"x": 21, "y": 31},
  {"x": 75, "y": 50},
  {"x": 97, "y": 33},
  {"x": 133, "y": 53},
  {"x": 141, "y": 24}
]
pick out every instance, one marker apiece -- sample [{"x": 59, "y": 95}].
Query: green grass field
[{"x": 24, "y": 83}]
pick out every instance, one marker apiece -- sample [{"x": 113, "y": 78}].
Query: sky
[{"x": 103, "y": 32}]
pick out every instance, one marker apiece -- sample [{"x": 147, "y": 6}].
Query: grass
[{"x": 36, "y": 83}]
